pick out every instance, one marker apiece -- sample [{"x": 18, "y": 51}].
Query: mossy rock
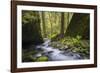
[
  {"x": 28, "y": 58},
  {"x": 42, "y": 59}
]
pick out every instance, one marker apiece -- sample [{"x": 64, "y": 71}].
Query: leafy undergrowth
[{"x": 75, "y": 44}]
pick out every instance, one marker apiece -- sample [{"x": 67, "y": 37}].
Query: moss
[
  {"x": 31, "y": 31},
  {"x": 42, "y": 59},
  {"x": 27, "y": 56},
  {"x": 79, "y": 25}
]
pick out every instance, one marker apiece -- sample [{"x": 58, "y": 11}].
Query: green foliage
[
  {"x": 71, "y": 41},
  {"x": 76, "y": 44},
  {"x": 27, "y": 56},
  {"x": 29, "y": 16},
  {"x": 50, "y": 36},
  {"x": 31, "y": 31},
  {"x": 42, "y": 59}
]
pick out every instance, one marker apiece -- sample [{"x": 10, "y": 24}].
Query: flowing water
[{"x": 54, "y": 54}]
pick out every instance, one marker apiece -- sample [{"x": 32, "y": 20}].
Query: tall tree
[
  {"x": 62, "y": 25},
  {"x": 43, "y": 23},
  {"x": 50, "y": 20}
]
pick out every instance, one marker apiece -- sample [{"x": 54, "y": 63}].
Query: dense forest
[{"x": 54, "y": 36}]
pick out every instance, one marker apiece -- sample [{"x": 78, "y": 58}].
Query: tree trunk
[
  {"x": 79, "y": 25},
  {"x": 43, "y": 23},
  {"x": 62, "y": 25},
  {"x": 31, "y": 31}
]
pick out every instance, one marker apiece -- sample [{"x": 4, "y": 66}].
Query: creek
[{"x": 55, "y": 54}]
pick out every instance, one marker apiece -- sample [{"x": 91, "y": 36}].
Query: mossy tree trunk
[
  {"x": 44, "y": 24},
  {"x": 79, "y": 25},
  {"x": 62, "y": 25},
  {"x": 31, "y": 31}
]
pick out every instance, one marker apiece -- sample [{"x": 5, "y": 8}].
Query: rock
[
  {"x": 66, "y": 47},
  {"x": 28, "y": 58},
  {"x": 42, "y": 59},
  {"x": 50, "y": 52},
  {"x": 38, "y": 55}
]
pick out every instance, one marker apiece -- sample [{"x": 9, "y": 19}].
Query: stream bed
[{"x": 55, "y": 54}]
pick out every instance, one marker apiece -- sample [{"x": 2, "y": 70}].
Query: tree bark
[
  {"x": 62, "y": 25},
  {"x": 31, "y": 31},
  {"x": 79, "y": 25},
  {"x": 43, "y": 23}
]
